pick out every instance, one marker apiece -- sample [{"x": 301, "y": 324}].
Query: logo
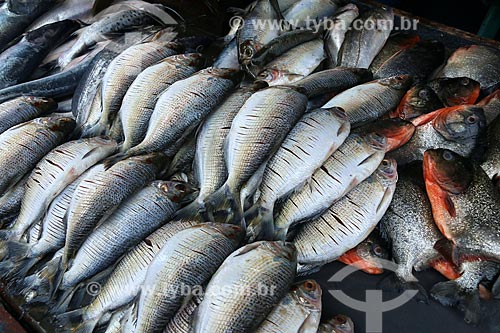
[{"x": 374, "y": 305}]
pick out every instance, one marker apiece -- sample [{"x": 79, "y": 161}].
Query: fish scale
[
  {"x": 181, "y": 322},
  {"x": 22, "y": 109},
  {"x": 353, "y": 162}
]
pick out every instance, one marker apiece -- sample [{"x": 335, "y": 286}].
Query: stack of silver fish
[{"x": 168, "y": 190}]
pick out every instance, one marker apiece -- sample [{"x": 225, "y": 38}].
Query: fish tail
[
  {"x": 73, "y": 321},
  {"x": 260, "y": 223},
  {"x": 225, "y": 206},
  {"x": 63, "y": 302},
  {"x": 449, "y": 293},
  {"x": 280, "y": 233},
  {"x": 46, "y": 282},
  {"x": 403, "y": 283},
  {"x": 190, "y": 211}
]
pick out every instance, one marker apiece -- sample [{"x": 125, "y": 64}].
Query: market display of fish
[{"x": 161, "y": 174}]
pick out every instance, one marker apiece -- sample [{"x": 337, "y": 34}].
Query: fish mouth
[
  {"x": 367, "y": 265},
  {"x": 398, "y": 133}
]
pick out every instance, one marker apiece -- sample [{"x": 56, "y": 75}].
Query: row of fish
[{"x": 179, "y": 191}]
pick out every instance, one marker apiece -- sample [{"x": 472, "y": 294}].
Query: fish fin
[
  {"x": 225, "y": 203},
  {"x": 72, "y": 321},
  {"x": 248, "y": 248},
  {"x": 449, "y": 293},
  {"x": 260, "y": 223},
  {"x": 449, "y": 205},
  {"x": 190, "y": 211},
  {"x": 397, "y": 282},
  {"x": 445, "y": 247},
  {"x": 308, "y": 269},
  {"x": 112, "y": 160},
  {"x": 310, "y": 323},
  {"x": 62, "y": 303}
]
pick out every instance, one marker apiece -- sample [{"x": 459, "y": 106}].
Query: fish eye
[
  {"x": 340, "y": 320},
  {"x": 447, "y": 155},
  {"x": 465, "y": 81},
  {"x": 386, "y": 163},
  {"x": 180, "y": 187},
  {"x": 471, "y": 119},
  {"x": 309, "y": 285},
  {"x": 377, "y": 250},
  {"x": 423, "y": 93}
]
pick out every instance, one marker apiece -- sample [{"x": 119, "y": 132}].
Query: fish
[
  {"x": 491, "y": 106},
  {"x": 139, "y": 13},
  {"x": 395, "y": 43},
  {"x": 52, "y": 174},
  {"x": 457, "y": 188},
  {"x": 256, "y": 132},
  {"x": 333, "y": 81},
  {"x": 208, "y": 165},
  {"x": 477, "y": 62},
  {"x": 27, "y": 143},
  {"x": 464, "y": 291},
  {"x": 298, "y": 311},
  {"x": 295, "y": 64},
  {"x": 10, "y": 201},
  {"x": 369, "y": 101},
  {"x": 183, "y": 159},
  {"x": 136, "y": 218},
  {"x": 420, "y": 99},
  {"x": 316, "y": 136},
  {"x": 23, "y": 109},
  {"x": 419, "y": 61},
  {"x": 250, "y": 191},
  {"x": 181, "y": 322},
  {"x": 304, "y": 12},
  {"x": 397, "y": 131},
  {"x": 335, "y": 35},
  {"x": 228, "y": 57},
  {"x": 265, "y": 264},
  {"x": 67, "y": 10},
  {"x": 491, "y": 163},
  {"x": 140, "y": 99},
  {"x": 409, "y": 228},
  {"x": 337, "y": 324},
  {"x": 16, "y": 15},
  {"x": 123, "y": 70},
  {"x": 352, "y": 163},
  {"x": 177, "y": 266},
  {"x": 458, "y": 128},
  {"x": 361, "y": 46},
  {"x": 456, "y": 91},
  {"x": 252, "y": 35},
  {"x": 348, "y": 221},
  {"x": 124, "y": 283},
  {"x": 367, "y": 255},
  {"x": 191, "y": 100}
]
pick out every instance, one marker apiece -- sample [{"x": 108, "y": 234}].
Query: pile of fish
[{"x": 150, "y": 184}]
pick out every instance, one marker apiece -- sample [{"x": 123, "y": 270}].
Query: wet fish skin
[
  {"x": 315, "y": 137},
  {"x": 10, "y": 201},
  {"x": 491, "y": 106},
  {"x": 136, "y": 218},
  {"x": 419, "y": 61},
  {"x": 228, "y": 58},
  {"x": 178, "y": 265},
  {"x": 457, "y": 188},
  {"x": 394, "y": 44},
  {"x": 397, "y": 131},
  {"x": 458, "y": 128},
  {"x": 302, "y": 12},
  {"x": 256, "y": 133},
  {"x": 352, "y": 163},
  {"x": 298, "y": 311},
  {"x": 349, "y": 220},
  {"x": 20, "y": 60},
  {"x": 25, "y": 144},
  {"x": 456, "y": 91},
  {"x": 183, "y": 159},
  {"x": 53, "y": 173},
  {"x": 369, "y": 101},
  {"x": 67, "y": 10},
  {"x": 22, "y": 109},
  {"x": 335, "y": 36},
  {"x": 181, "y": 322},
  {"x": 338, "y": 324},
  {"x": 419, "y": 100},
  {"x": 333, "y": 81},
  {"x": 361, "y": 46},
  {"x": 192, "y": 100},
  {"x": 266, "y": 263},
  {"x": 140, "y": 99}
]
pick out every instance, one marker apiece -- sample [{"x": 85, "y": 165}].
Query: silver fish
[
  {"x": 316, "y": 136},
  {"x": 181, "y": 322},
  {"x": 22, "y": 109},
  {"x": 140, "y": 99},
  {"x": 336, "y": 33},
  {"x": 228, "y": 58},
  {"x": 268, "y": 265},
  {"x": 337, "y": 324},
  {"x": 10, "y": 201},
  {"x": 348, "y": 221},
  {"x": 66, "y": 10},
  {"x": 352, "y": 163},
  {"x": 303, "y": 12}
]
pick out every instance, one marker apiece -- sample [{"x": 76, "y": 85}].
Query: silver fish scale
[
  {"x": 257, "y": 264},
  {"x": 126, "y": 279},
  {"x": 24, "y": 145},
  {"x": 258, "y": 129},
  {"x": 101, "y": 191},
  {"x": 57, "y": 169},
  {"x": 346, "y": 223},
  {"x": 10, "y": 202},
  {"x": 409, "y": 226},
  {"x": 353, "y": 162},
  {"x": 209, "y": 166},
  {"x": 181, "y": 107},
  {"x": 181, "y": 322},
  {"x": 139, "y": 101},
  {"x": 134, "y": 219},
  {"x": 188, "y": 259},
  {"x": 313, "y": 139},
  {"x": 17, "y": 111}
]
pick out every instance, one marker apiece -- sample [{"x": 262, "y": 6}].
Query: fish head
[
  {"x": 63, "y": 125},
  {"x": 397, "y": 131},
  {"x": 387, "y": 172},
  {"x": 367, "y": 256},
  {"x": 398, "y": 82},
  {"x": 458, "y": 91},
  {"x": 460, "y": 123},
  {"x": 376, "y": 141},
  {"x": 363, "y": 74},
  {"x": 418, "y": 100},
  {"x": 156, "y": 159},
  {"x": 278, "y": 77},
  {"x": 42, "y": 103},
  {"x": 177, "y": 191},
  {"x": 195, "y": 60},
  {"x": 247, "y": 50},
  {"x": 233, "y": 75},
  {"x": 338, "y": 324},
  {"x": 308, "y": 293}
]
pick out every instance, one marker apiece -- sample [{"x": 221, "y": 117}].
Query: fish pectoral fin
[
  {"x": 246, "y": 249},
  {"x": 309, "y": 323}
]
